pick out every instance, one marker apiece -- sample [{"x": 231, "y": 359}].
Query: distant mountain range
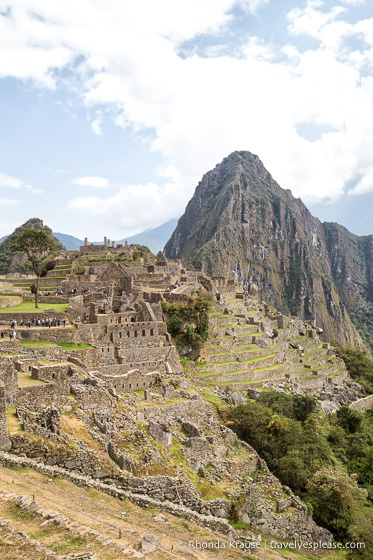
[{"x": 154, "y": 238}]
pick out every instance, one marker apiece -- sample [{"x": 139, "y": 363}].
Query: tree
[
  {"x": 336, "y": 497},
  {"x": 38, "y": 246},
  {"x": 349, "y": 419}
]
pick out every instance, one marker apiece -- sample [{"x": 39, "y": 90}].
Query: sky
[{"x": 111, "y": 111}]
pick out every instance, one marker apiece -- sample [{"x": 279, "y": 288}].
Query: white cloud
[
  {"x": 365, "y": 185},
  {"x": 7, "y": 181},
  {"x": 99, "y": 182},
  {"x": 252, "y": 5},
  {"x": 10, "y": 182},
  {"x": 199, "y": 109},
  {"x": 96, "y": 123},
  {"x": 134, "y": 207}
]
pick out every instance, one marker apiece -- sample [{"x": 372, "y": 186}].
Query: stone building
[{"x": 89, "y": 249}]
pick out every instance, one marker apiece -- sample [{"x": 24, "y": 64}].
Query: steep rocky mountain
[
  {"x": 10, "y": 262},
  {"x": 241, "y": 221}
]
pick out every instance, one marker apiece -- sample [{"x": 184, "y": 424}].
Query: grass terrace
[
  {"x": 63, "y": 345},
  {"x": 25, "y": 380},
  {"x": 29, "y": 307}
]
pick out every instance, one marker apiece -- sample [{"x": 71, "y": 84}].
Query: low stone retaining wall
[
  {"x": 364, "y": 404},
  {"x": 46, "y": 299},
  {"x": 70, "y": 456},
  {"x": 216, "y": 524},
  {"x": 10, "y": 301},
  {"x": 5, "y": 318},
  {"x": 57, "y": 335},
  {"x": 87, "y": 355}
]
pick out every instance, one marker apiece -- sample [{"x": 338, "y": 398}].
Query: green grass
[
  {"x": 219, "y": 403},
  {"x": 334, "y": 373},
  {"x": 249, "y": 361},
  {"x": 29, "y": 307},
  {"x": 252, "y": 381},
  {"x": 73, "y": 346},
  {"x": 38, "y": 344},
  {"x": 47, "y": 344},
  {"x": 25, "y": 380}
]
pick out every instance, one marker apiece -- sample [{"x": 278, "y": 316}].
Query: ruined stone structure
[
  {"x": 5, "y": 443},
  {"x": 89, "y": 249},
  {"x": 127, "y": 390}
]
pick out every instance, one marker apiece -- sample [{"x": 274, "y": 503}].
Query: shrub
[
  {"x": 190, "y": 334},
  {"x": 175, "y": 325}
]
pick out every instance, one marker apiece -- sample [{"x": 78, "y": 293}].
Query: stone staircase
[{"x": 188, "y": 483}]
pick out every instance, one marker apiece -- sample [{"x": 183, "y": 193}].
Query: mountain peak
[{"x": 240, "y": 220}]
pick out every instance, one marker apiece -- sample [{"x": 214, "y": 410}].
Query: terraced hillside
[{"x": 255, "y": 347}]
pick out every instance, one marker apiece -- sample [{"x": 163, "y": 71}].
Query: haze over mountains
[
  {"x": 154, "y": 238},
  {"x": 240, "y": 220}
]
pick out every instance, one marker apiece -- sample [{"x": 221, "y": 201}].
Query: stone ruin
[
  {"x": 128, "y": 392},
  {"x": 5, "y": 442}
]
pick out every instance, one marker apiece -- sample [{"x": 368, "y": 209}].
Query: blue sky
[{"x": 112, "y": 110}]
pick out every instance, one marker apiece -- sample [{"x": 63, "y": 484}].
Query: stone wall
[
  {"x": 89, "y": 333},
  {"x": 46, "y": 299},
  {"x": 57, "y": 335},
  {"x": 72, "y": 455},
  {"x": 129, "y": 381},
  {"x": 124, "y": 333},
  {"x": 56, "y": 374},
  {"x": 9, "y": 376},
  {"x": 41, "y": 396},
  {"x": 142, "y": 499},
  {"x": 5, "y": 318},
  {"x": 87, "y": 355},
  {"x": 362, "y": 405},
  {"x": 295, "y": 525},
  {"x": 5, "y": 443},
  {"x": 92, "y": 398}
]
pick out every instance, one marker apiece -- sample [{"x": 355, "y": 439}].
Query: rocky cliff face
[{"x": 240, "y": 220}]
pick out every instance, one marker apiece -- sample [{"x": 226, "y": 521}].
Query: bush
[
  {"x": 190, "y": 334},
  {"x": 349, "y": 419},
  {"x": 175, "y": 325},
  {"x": 80, "y": 269},
  {"x": 196, "y": 312}
]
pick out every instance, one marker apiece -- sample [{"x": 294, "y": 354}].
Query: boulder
[
  {"x": 160, "y": 433},
  {"x": 262, "y": 342},
  {"x": 160, "y": 517},
  {"x": 149, "y": 544}
]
